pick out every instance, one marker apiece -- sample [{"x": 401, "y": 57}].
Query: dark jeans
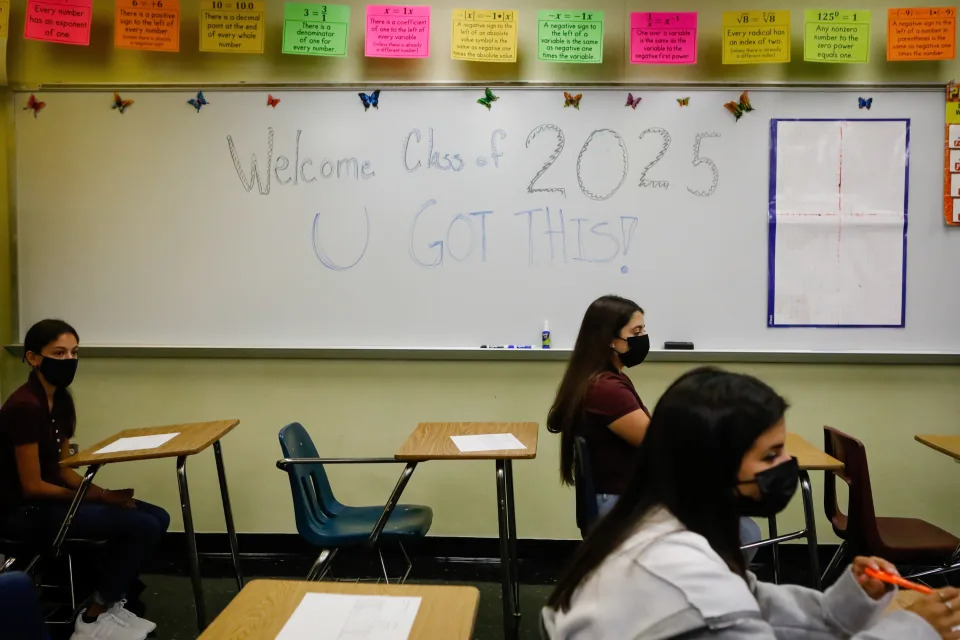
[
  {"x": 19, "y": 608},
  {"x": 132, "y": 536}
]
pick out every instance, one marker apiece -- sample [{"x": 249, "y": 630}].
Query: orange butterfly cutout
[
  {"x": 119, "y": 103},
  {"x": 684, "y": 102},
  {"x": 571, "y": 101},
  {"x": 34, "y": 104},
  {"x": 272, "y": 102}
]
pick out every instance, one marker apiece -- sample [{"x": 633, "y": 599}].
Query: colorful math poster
[
  {"x": 397, "y": 31},
  {"x": 663, "y": 38},
  {"x": 756, "y": 37},
  {"x": 836, "y": 36},
  {"x": 570, "y": 36},
  {"x": 315, "y": 29},
  {"x": 922, "y": 33},
  {"x": 64, "y": 21},
  {"x": 148, "y": 25},
  {"x": 484, "y": 35},
  {"x": 951, "y": 157},
  {"x": 232, "y": 26}
]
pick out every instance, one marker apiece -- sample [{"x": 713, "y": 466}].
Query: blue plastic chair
[
  {"x": 325, "y": 522},
  {"x": 586, "y": 494}
]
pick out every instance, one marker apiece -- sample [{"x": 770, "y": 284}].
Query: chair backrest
[
  {"x": 859, "y": 526},
  {"x": 586, "y": 494},
  {"x": 313, "y": 501}
]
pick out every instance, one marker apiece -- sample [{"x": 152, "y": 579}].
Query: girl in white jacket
[{"x": 666, "y": 563}]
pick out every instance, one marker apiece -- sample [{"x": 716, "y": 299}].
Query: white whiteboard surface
[{"x": 140, "y": 230}]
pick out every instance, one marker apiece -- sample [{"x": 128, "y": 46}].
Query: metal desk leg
[
  {"x": 512, "y": 532},
  {"x": 228, "y": 514},
  {"x": 806, "y": 492},
  {"x": 506, "y": 562},
  {"x": 774, "y": 550},
  {"x": 68, "y": 519},
  {"x": 191, "y": 543},
  {"x": 391, "y": 503}
]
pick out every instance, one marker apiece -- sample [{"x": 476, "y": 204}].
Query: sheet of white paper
[
  {"x": 336, "y": 616},
  {"x": 840, "y": 215},
  {"x": 487, "y": 442},
  {"x": 137, "y": 443}
]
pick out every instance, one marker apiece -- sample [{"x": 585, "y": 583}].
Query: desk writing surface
[
  {"x": 809, "y": 457},
  {"x": 431, "y": 441},
  {"x": 950, "y": 445},
  {"x": 263, "y": 606},
  {"x": 194, "y": 437}
]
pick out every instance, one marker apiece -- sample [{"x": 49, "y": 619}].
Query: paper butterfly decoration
[
  {"x": 739, "y": 108},
  {"x": 865, "y": 103},
  {"x": 370, "y": 100},
  {"x": 272, "y": 102},
  {"x": 488, "y": 99},
  {"x": 571, "y": 101},
  {"x": 684, "y": 102},
  {"x": 631, "y": 101},
  {"x": 198, "y": 102},
  {"x": 34, "y": 104},
  {"x": 119, "y": 103}
]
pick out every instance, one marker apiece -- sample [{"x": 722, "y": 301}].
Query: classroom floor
[{"x": 169, "y": 597}]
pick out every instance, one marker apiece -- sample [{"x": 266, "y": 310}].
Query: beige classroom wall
[{"x": 366, "y": 408}]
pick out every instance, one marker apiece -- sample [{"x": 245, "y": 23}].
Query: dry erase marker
[
  {"x": 545, "y": 336},
  {"x": 883, "y": 576}
]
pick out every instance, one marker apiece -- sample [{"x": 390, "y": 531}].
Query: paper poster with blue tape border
[{"x": 838, "y": 222}]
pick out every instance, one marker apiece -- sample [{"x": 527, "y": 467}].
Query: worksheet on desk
[
  {"x": 137, "y": 443},
  {"x": 336, "y": 616},
  {"x": 487, "y": 442}
]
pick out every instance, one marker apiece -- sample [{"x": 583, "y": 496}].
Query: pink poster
[
  {"x": 66, "y": 21},
  {"x": 397, "y": 31},
  {"x": 663, "y": 38}
]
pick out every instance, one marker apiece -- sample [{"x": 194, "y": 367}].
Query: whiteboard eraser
[{"x": 685, "y": 346}]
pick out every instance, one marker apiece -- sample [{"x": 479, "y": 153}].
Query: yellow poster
[
  {"x": 232, "y": 26},
  {"x": 756, "y": 37},
  {"x": 484, "y": 36}
]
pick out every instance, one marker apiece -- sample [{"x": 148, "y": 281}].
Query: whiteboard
[{"x": 434, "y": 222}]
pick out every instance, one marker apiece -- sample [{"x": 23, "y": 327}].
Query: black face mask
[
  {"x": 777, "y": 486},
  {"x": 58, "y": 372},
  {"x": 637, "y": 349}
]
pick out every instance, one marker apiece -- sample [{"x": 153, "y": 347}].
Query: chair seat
[
  {"x": 353, "y": 525},
  {"x": 911, "y": 540}
]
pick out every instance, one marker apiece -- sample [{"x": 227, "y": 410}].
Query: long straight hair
[
  {"x": 602, "y": 322},
  {"x": 688, "y": 463}
]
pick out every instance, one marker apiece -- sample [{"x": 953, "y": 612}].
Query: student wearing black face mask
[
  {"x": 36, "y": 424},
  {"x": 597, "y": 401},
  {"x": 665, "y": 562}
]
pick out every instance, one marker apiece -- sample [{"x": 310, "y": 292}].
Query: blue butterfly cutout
[
  {"x": 370, "y": 100},
  {"x": 865, "y": 103},
  {"x": 198, "y": 102}
]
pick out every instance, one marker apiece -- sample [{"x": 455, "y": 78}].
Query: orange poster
[
  {"x": 922, "y": 33},
  {"x": 148, "y": 25}
]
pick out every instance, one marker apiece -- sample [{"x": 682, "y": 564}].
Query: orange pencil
[{"x": 897, "y": 580}]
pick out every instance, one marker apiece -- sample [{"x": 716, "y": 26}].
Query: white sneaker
[
  {"x": 106, "y": 627},
  {"x": 119, "y": 610}
]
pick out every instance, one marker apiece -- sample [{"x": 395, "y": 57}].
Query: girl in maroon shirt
[
  {"x": 36, "y": 424},
  {"x": 599, "y": 403}
]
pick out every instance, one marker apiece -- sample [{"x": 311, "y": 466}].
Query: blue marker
[{"x": 506, "y": 346}]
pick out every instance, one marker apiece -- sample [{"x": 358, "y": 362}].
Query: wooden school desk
[
  {"x": 263, "y": 606},
  {"x": 809, "y": 458},
  {"x": 949, "y": 445},
  {"x": 192, "y": 439},
  {"x": 431, "y": 441}
]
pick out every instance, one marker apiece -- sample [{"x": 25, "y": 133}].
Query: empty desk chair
[
  {"x": 326, "y": 523},
  {"x": 907, "y": 542}
]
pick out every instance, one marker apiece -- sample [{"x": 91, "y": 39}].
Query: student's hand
[
  {"x": 941, "y": 609},
  {"x": 874, "y": 588},
  {"x": 122, "y": 498}
]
